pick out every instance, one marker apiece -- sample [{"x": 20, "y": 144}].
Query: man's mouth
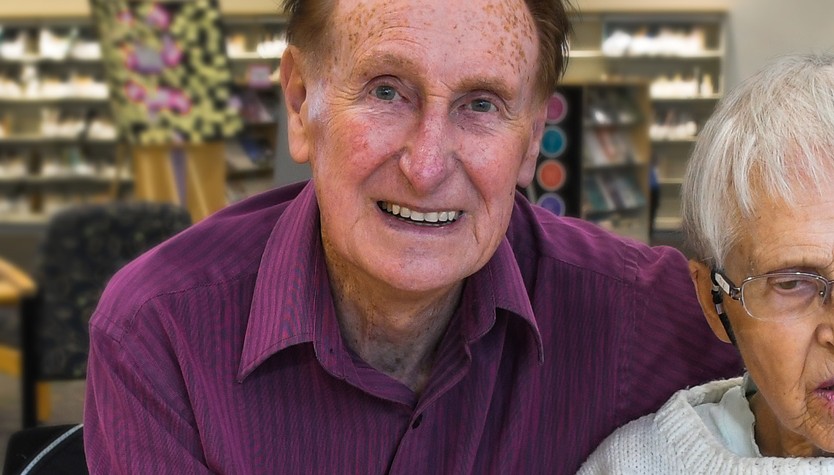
[
  {"x": 826, "y": 386},
  {"x": 424, "y": 218}
]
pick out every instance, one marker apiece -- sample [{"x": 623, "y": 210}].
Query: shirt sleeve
[
  {"x": 136, "y": 415},
  {"x": 667, "y": 344}
]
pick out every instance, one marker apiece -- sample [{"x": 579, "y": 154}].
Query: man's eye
[
  {"x": 482, "y": 105},
  {"x": 385, "y": 93}
]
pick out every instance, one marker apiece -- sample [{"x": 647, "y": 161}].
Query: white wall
[{"x": 762, "y": 29}]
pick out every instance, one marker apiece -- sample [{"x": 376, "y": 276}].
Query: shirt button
[{"x": 417, "y": 421}]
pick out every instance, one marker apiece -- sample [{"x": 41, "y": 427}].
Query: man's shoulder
[
  {"x": 579, "y": 245},
  {"x": 221, "y": 249}
]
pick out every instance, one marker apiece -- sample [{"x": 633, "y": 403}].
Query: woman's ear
[
  {"x": 701, "y": 277},
  {"x": 294, "y": 86}
]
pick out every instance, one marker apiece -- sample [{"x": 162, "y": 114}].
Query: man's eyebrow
[
  {"x": 494, "y": 85},
  {"x": 372, "y": 63}
]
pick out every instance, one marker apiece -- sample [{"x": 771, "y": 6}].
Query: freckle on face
[{"x": 366, "y": 19}]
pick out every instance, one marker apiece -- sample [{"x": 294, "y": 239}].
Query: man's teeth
[{"x": 429, "y": 217}]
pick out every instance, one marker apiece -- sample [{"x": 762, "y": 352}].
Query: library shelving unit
[
  {"x": 615, "y": 159},
  {"x": 594, "y": 159},
  {"x": 681, "y": 54},
  {"x": 58, "y": 143},
  {"x": 255, "y": 44}
]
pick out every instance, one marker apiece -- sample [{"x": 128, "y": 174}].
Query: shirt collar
[
  {"x": 286, "y": 303},
  {"x": 498, "y": 285}
]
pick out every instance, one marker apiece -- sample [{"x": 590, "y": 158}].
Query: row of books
[
  {"x": 605, "y": 192},
  {"x": 607, "y": 147}
]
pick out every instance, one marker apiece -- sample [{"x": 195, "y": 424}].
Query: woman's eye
[
  {"x": 385, "y": 93},
  {"x": 794, "y": 284},
  {"x": 787, "y": 284},
  {"x": 482, "y": 105}
]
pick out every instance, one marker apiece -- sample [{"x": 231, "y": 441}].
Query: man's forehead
[
  {"x": 501, "y": 28},
  {"x": 487, "y": 16}
]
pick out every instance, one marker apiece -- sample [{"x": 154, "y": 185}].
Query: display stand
[
  {"x": 171, "y": 92},
  {"x": 193, "y": 176}
]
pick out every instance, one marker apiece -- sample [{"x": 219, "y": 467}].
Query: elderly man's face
[
  {"x": 418, "y": 129},
  {"x": 791, "y": 362}
]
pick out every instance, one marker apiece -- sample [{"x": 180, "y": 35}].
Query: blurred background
[{"x": 108, "y": 103}]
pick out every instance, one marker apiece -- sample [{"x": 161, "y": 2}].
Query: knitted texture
[{"x": 675, "y": 440}]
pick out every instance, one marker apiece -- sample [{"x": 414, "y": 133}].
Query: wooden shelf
[
  {"x": 667, "y": 223},
  {"x": 670, "y": 182},
  {"x": 686, "y": 140},
  {"x": 53, "y": 100},
  {"x": 69, "y": 59},
  {"x": 63, "y": 180},
  {"x": 253, "y": 56},
  {"x": 712, "y": 97},
  {"x": 704, "y": 55},
  {"x": 42, "y": 140}
]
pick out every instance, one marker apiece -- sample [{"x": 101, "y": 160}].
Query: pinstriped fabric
[{"x": 219, "y": 352}]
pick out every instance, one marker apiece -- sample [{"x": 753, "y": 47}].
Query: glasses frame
[{"x": 720, "y": 279}]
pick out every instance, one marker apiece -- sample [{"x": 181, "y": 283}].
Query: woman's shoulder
[
  {"x": 636, "y": 447},
  {"x": 653, "y": 443}
]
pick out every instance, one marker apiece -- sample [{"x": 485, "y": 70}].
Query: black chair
[
  {"x": 83, "y": 247},
  {"x": 52, "y": 450}
]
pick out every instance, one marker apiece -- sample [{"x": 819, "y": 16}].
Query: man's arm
[
  {"x": 136, "y": 415},
  {"x": 669, "y": 345}
]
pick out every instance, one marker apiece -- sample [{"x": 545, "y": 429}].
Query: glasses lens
[{"x": 782, "y": 296}]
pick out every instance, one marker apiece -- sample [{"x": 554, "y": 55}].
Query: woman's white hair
[{"x": 771, "y": 137}]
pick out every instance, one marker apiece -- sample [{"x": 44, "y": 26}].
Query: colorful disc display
[
  {"x": 554, "y": 141},
  {"x": 551, "y": 175},
  {"x": 553, "y": 203},
  {"x": 557, "y": 108}
]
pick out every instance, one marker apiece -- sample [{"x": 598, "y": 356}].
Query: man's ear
[
  {"x": 294, "y": 86},
  {"x": 528, "y": 164},
  {"x": 700, "y": 275}
]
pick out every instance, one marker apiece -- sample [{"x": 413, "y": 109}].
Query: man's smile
[{"x": 433, "y": 218}]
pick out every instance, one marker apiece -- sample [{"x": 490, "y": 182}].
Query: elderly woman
[{"x": 758, "y": 207}]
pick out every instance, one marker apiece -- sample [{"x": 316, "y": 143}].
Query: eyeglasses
[{"x": 778, "y": 296}]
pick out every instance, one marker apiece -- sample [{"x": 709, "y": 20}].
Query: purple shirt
[{"x": 219, "y": 351}]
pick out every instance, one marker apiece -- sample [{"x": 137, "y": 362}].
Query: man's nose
[{"x": 429, "y": 155}]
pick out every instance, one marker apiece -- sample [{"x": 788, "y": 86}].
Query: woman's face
[{"x": 792, "y": 362}]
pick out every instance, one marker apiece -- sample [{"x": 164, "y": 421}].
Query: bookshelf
[
  {"x": 595, "y": 165},
  {"x": 681, "y": 54}
]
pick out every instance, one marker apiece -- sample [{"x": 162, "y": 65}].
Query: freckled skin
[
  {"x": 420, "y": 33},
  {"x": 455, "y": 130}
]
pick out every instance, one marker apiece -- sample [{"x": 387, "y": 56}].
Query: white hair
[{"x": 771, "y": 137}]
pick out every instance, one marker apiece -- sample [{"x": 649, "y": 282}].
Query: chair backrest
[
  {"x": 53, "y": 450},
  {"x": 83, "y": 247}
]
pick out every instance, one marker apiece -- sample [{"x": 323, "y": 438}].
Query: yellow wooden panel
[
  {"x": 155, "y": 178},
  {"x": 10, "y": 361},
  {"x": 43, "y": 401}
]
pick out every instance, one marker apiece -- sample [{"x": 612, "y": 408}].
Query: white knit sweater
[{"x": 675, "y": 440}]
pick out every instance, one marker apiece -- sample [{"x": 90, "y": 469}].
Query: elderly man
[{"x": 406, "y": 311}]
